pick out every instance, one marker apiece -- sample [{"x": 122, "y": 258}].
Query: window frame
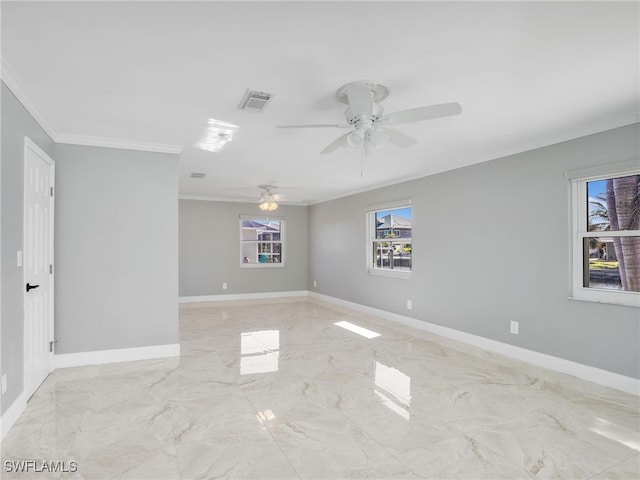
[
  {"x": 282, "y": 241},
  {"x": 370, "y": 240},
  {"x": 580, "y": 230}
]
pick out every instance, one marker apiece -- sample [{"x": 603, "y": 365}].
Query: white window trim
[
  {"x": 579, "y": 231},
  {"x": 282, "y": 240},
  {"x": 370, "y": 238}
]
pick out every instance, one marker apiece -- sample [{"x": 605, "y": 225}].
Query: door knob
[{"x": 31, "y": 287}]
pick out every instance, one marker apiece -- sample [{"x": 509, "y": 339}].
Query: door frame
[{"x": 31, "y": 145}]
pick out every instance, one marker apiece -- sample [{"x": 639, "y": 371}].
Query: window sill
[
  {"x": 631, "y": 302},
  {"x": 404, "y": 275},
  {"x": 262, "y": 265}
]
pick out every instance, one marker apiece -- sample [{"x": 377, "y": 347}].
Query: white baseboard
[
  {"x": 10, "y": 417},
  {"x": 585, "y": 372},
  {"x": 242, "y": 296},
  {"x": 114, "y": 356}
]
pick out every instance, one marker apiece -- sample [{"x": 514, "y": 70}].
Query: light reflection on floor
[{"x": 259, "y": 351}]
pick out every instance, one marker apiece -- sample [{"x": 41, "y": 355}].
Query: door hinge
[
  {"x": 51, "y": 345},
  {"x": 52, "y": 191},
  {"x": 50, "y": 269}
]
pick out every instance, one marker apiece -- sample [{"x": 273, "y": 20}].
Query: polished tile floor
[{"x": 302, "y": 389}]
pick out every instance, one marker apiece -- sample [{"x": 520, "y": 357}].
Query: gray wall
[
  {"x": 116, "y": 248},
  {"x": 16, "y": 124},
  {"x": 491, "y": 244},
  {"x": 210, "y": 250}
]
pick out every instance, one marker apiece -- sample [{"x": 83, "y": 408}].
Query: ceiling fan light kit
[
  {"x": 267, "y": 206},
  {"x": 355, "y": 139},
  {"x": 267, "y": 199},
  {"x": 365, "y": 116},
  {"x": 377, "y": 138}
]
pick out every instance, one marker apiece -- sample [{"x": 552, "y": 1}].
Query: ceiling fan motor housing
[
  {"x": 379, "y": 91},
  {"x": 363, "y": 121}
]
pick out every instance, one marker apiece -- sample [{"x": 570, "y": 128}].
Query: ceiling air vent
[
  {"x": 198, "y": 175},
  {"x": 254, "y": 101}
]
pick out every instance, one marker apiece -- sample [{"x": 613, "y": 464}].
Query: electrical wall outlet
[
  {"x": 315, "y": 284},
  {"x": 409, "y": 305},
  {"x": 224, "y": 285},
  {"x": 515, "y": 327},
  {"x": 4, "y": 384}
]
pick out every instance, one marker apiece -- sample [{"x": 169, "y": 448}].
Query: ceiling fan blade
[
  {"x": 360, "y": 99},
  {"x": 399, "y": 138},
  {"x": 337, "y": 143},
  {"x": 423, "y": 113},
  {"x": 325, "y": 125}
]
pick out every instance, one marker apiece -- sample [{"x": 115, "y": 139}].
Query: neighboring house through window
[
  {"x": 261, "y": 242},
  {"x": 606, "y": 233},
  {"x": 389, "y": 239}
]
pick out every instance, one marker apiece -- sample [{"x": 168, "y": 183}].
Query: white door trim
[{"x": 30, "y": 145}]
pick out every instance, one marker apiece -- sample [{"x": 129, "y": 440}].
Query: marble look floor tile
[
  {"x": 326, "y": 444},
  {"x": 385, "y": 469},
  {"x": 397, "y": 428},
  {"x": 136, "y": 369},
  {"x": 119, "y": 402},
  {"x": 291, "y": 400},
  {"x": 460, "y": 458},
  {"x": 469, "y": 407},
  {"x": 234, "y": 458},
  {"x": 627, "y": 470},
  {"x": 17, "y": 470},
  {"x": 41, "y": 438},
  {"x": 111, "y": 391},
  {"x": 111, "y": 435},
  {"x": 275, "y": 389},
  {"x": 615, "y": 396},
  {"x": 65, "y": 407},
  {"x": 75, "y": 377},
  {"x": 161, "y": 464},
  {"x": 214, "y": 416},
  {"x": 153, "y": 416},
  {"x": 612, "y": 427},
  {"x": 545, "y": 448},
  {"x": 186, "y": 388}
]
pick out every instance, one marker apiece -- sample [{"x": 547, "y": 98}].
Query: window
[
  {"x": 606, "y": 237},
  {"x": 389, "y": 240},
  {"x": 261, "y": 242}
]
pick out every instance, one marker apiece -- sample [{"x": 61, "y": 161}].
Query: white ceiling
[{"x": 152, "y": 74}]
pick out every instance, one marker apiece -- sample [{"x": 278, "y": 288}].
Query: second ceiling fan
[{"x": 367, "y": 122}]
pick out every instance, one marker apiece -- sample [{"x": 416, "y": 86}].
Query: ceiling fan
[
  {"x": 268, "y": 199},
  {"x": 367, "y": 122}
]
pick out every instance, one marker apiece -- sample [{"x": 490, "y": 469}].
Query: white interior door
[{"x": 37, "y": 266}]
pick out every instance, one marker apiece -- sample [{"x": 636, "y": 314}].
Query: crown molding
[
  {"x": 207, "y": 198},
  {"x": 9, "y": 79},
  {"x": 255, "y": 201},
  {"x": 90, "y": 141},
  {"x": 12, "y": 84}
]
